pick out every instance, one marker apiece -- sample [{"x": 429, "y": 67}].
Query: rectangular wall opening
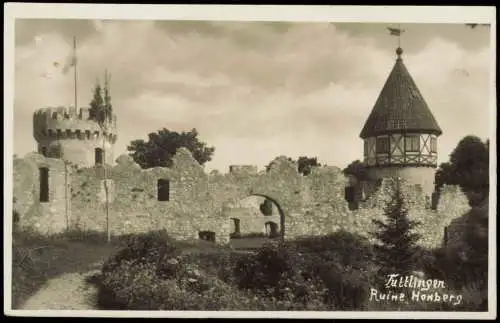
[
  {"x": 98, "y": 156},
  {"x": 163, "y": 190},
  {"x": 349, "y": 194},
  {"x": 207, "y": 236},
  {"x": 44, "y": 184}
]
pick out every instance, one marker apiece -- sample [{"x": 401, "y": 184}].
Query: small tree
[
  {"x": 101, "y": 112},
  {"x": 395, "y": 252}
]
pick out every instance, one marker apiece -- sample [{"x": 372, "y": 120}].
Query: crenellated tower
[
  {"x": 400, "y": 134},
  {"x": 71, "y": 135}
]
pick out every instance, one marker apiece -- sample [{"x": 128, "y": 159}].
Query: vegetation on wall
[
  {"x": 357, "y": 169},
  {"x": 304, "y": 164}
]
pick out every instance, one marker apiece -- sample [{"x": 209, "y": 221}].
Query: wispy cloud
[{"x": 253, "y": 90}]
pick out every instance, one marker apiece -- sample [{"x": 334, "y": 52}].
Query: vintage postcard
[{"x": 250, "y": 161}]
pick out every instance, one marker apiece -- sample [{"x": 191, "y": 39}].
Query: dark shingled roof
[{"x": 400, "y": 107}]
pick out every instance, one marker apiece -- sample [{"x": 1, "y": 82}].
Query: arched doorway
[{"x": 254, "y": 220}]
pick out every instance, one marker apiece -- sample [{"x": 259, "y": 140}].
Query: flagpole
[
  {"x": 399, "y": 36},
  {"x": 75, "y": 73}
]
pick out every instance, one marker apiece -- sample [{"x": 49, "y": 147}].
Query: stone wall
[{"x": 199, "y": 202}]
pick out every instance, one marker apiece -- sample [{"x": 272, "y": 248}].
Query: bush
[
  {"x": 151, "y": 274},
  {"x": 153, "y": 247},
  {"x": 348, "y": 288},
  {"x": 282, "y": 275},
  {"x": 342, "y": 246},
  {"x": 264, "y": 270}
]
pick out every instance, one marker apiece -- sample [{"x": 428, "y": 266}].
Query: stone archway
[
  {"x": 281, "y": 213},
  {"x": 250, "y": 226}
]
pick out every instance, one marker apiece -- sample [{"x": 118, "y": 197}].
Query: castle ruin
[{"x": 61, "y": 186}]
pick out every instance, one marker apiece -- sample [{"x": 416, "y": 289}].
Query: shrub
[
  {"x": 140, "y": 286},
  {"x": 153, "y": 247},
  {"x": 347, "y": 287},
  {"x": 282, "y": 275},
  {"x": 265, "y": 269},
  {"x": 342, "y": 246}
]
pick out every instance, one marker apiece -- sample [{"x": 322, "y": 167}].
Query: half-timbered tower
[{"x": 400, "y": 134}]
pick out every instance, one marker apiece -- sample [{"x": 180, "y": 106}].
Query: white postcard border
[{"x": 309, "y": 13}]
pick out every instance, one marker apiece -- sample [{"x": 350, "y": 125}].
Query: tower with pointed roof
[{"x": 400, "y": 134}]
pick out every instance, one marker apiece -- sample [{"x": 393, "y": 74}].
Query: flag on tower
[
  {"x": 62, "y": 66},
  {"x": 395, "y": 31},
  {"x": 70, "y": 62}
]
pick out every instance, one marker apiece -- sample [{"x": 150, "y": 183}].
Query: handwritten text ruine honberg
[{"x": 417, "y": 290}]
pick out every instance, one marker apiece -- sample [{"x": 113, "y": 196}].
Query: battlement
[{"x": 69, "y": 123}]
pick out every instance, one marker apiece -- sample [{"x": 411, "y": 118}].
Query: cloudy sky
[{"x": 253, "y": 90}]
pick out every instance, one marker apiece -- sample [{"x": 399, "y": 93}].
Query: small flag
[
  {"x": 71, "y": 61},
  {"x": 395, "y": 31}
]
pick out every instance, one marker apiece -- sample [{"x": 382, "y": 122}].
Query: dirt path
[
  {"x": 67, "y": 269},
  {"x": 66, "y": 292}
]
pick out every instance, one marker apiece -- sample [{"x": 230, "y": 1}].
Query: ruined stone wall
[
  {"x": 46, "y": 217},
  {"x": 197, "y": 201}
]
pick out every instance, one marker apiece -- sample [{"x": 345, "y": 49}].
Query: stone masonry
[{"x": 193, "y": 201}]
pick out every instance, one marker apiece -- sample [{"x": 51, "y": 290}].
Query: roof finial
[{"x": 399, "y": 52}]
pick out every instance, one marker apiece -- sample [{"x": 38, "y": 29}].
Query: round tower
[
  {"x": 400, "y": 134},
  {"x": 70, "y": 134}
]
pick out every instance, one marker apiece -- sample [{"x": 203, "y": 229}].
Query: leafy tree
[
  {"x": 476, "y": 238},
  {"x": 397, "y": 245},
  {"x": 357, "y": 169},
  {"x": 100, "y": 107},
  {"x": 469, "y": 168},
  {"x": 304, "y": 164},
  {"x": 162, "y": 146}
]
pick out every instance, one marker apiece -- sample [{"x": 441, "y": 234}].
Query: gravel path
[{"x": 66, "y": 292}]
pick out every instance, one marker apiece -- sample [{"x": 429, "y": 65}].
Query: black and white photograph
[{"x": 249, "y": 161}]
